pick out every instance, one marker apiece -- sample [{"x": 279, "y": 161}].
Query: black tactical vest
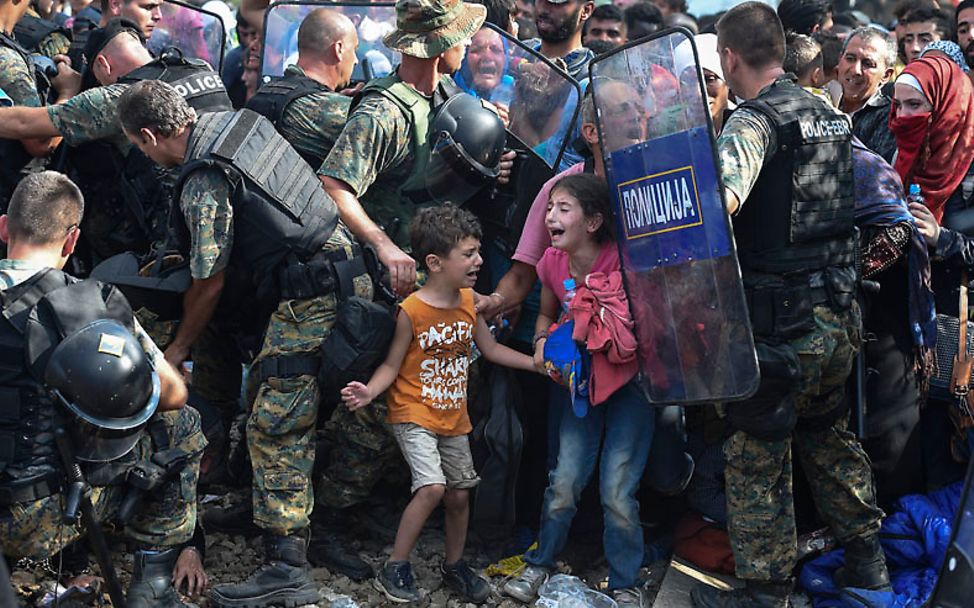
[
  {"x": 26, "y": 413},
  {"x": 272, "y": 99},
  {"x": 281, "y": 214},
  {"x": 800, "y": 215},
  {"x": 30, "y": 31},
  {"x": 28, "y": 333},
  {"x": 13, "y": 155},
  {"x": 132, "y": 194}
]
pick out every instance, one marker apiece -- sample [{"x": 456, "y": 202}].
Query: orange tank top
[{"x": 431, "y": 388}]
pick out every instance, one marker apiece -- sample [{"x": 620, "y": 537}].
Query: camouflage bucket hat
[{"x": 426, "y": 28}]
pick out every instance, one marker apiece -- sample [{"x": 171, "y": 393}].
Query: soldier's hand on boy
[{"x": 356, "y": 395}]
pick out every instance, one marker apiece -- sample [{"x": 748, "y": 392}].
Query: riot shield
[
  {"x": 197, "y": 33},
  {"x": 539, "y": 104},
  {"x": 679, "y": 263},
  {"x": 373, "y": 20}
]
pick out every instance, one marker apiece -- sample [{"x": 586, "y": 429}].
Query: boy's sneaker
[
  {"x": 466, "y": 582},
  {"x": 525, "y": 587},
  {"x": 630, "y": 597},
  {"x": 395, "y": 580}
]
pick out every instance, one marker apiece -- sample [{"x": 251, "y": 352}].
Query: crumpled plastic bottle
[
  {"x": 564, "y": 591},
  {"x": 343, "y": 601}
]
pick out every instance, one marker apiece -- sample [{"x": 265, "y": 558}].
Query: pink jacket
[{"x": 604, "y": 325}]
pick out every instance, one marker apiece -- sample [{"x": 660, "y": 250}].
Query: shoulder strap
[{"x": 20, "y": 299}]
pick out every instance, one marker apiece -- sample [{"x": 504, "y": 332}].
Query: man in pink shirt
[{"x": 515, "y": 286}]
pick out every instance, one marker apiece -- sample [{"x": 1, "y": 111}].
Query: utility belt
[
  {"x": 29, "y": 490},
  {"x": 782, "y": 306},
  {"x": 363, "y": 329},
  {"x": 325, "y": 273}
]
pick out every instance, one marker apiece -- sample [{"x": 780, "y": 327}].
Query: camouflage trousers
[
  {"x": 363, "y": 450},
  {"x": 758, "y": 473},
  {"x": 282, "y": 422},
  {"x": 165, "y": 518},
  {"x": 216, "y": 361}
]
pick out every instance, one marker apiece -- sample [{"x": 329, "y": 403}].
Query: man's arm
[
  {"x": 25, "y": 123},
  {"x": 402, "y": 267},
  {"x": 744, "y": 145},
  {"x": 173, "y": 393},
  {"x": 205, "y": 204},
  {"x": 375, "y": 140},
  {"x": 199, "y": 302}
]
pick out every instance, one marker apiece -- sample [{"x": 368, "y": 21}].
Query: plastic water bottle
[
  {"x": 915, "y": 196},
  {"x": 569, "y": 285}
]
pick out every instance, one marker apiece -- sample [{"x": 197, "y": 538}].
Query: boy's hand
[{"x": 356, "y": 395}]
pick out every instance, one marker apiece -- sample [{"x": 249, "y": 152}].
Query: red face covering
[{"x": 935, "y": 150}]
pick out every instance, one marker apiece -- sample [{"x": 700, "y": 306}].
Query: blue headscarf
[
  {"x": 880, "y": 201},
  {"x": 502, "y": 93}
]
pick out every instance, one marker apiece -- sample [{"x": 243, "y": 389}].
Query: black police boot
[
  {"x": 328, "y": 550},
  {"x": 865, "y": 565},
  {"x": 756, "y": 594},
  {"x": 235, "y": 519},
  {"x": 283, "y": 579},
  {"x": 151, "y": 584}
]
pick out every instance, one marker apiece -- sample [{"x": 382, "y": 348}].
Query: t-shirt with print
[{"x": 431, "y": 388}]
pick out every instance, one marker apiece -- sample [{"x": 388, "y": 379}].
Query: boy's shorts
[{"x": 436, "y": 459}]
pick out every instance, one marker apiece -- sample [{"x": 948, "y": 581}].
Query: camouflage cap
[{"x": 426, "y": 28}]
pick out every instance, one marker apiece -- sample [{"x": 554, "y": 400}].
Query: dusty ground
[{"x": 232, "y": 558}]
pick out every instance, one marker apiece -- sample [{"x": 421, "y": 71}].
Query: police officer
[
  {"x": 304, "y": 104},
  {"x": 17, "y": 79},
  {"x": 247, "y": 200},
  {"x": 131, "y": 204},
  {"x": 104, "y": 378},
  {"x": 145, "y": 14},
  {"x": 308, "y": 111},
  {"x": 787, "y": 168}
]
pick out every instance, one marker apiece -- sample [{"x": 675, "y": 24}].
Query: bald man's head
[
  {"x": 123, "y": 53},
  {"x": 321, "y": 29}
]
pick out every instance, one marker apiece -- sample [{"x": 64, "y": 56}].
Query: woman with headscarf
[
  {"x": 932, "y": 118},
  {"x": 483, "y": 73}
]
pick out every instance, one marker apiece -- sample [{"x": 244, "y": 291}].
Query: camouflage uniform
[
  {"x": 758, "y": 474},
  {"x": 373, "y": 156},
  {"x": 313, "y": 122},
  {"x": 16, "y": 79},
  {"x": 55, "y": 43},
  {"x": 91, "y": 115},
  {"x": 166, "y": 518},
  {"x": 167, "y": 515},
  {"x": 283, "y": 417}
]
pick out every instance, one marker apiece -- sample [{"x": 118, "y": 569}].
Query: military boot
[
  {"x": 865, "y": 565},
  {"x": 235, "y": 519},
  {"x": 755, "y": 594},
  {"x": 328, "y": 547},
  {"x": 151, "y": 584},
  {"x": 283, "y": 580}
]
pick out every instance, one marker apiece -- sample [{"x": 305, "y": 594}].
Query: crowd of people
[{"x": 380, "y": 246}]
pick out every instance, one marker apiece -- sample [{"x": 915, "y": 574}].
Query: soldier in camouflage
[
  {"x": 307, "y": 109},
  {"x": 296, "y": 260},
  {"x": 305, "y": 104},
  {"x": 18, "y": 81},
  {"x": 787, "y": 163},
  {"x": 41, "y": 231}
]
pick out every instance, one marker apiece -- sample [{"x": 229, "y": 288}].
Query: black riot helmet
[
  {"x": 101, "y": 375},
  {"x": 466, "y": 144}
]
